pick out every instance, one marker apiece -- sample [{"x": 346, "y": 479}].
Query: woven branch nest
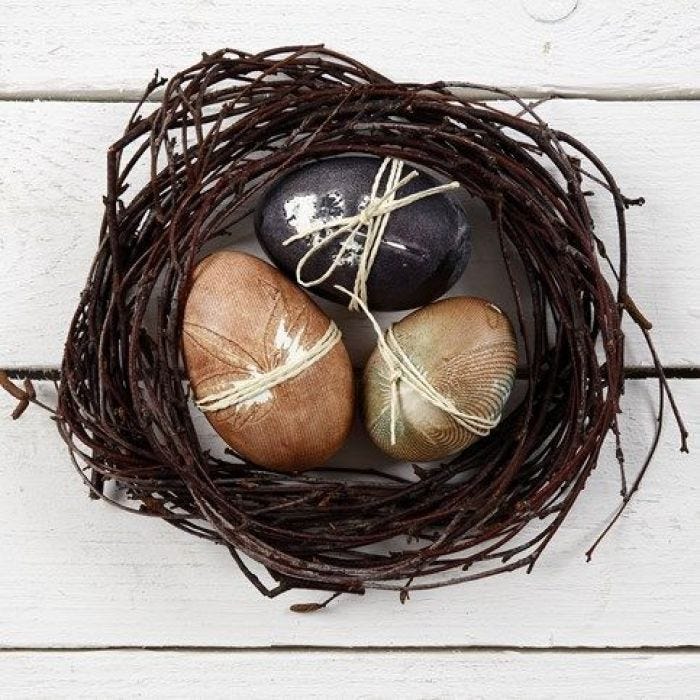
[{"x": 225, "y": 128}]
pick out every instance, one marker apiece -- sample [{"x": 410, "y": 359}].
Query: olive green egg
[{"x": 465, "y": 348}]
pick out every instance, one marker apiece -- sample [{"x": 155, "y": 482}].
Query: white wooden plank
[
  {"x": 81, "y": 573},
  {"x": 52, "y": 176},
  {"x": 590, "y": 46},
  {"x": 353, "y": 674}
]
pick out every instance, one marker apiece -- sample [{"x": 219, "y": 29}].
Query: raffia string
[
  {"x": 369, "y": 223},
  {"x": 241, "y": 390},
  {"x": 402, "y": 369}
]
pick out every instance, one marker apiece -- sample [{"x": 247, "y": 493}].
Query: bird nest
[{"x": 223, "y": 130}]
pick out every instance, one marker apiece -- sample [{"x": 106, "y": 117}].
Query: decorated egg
[
  {"x": 439, "y": 379},
  {"x": 425, "y": 239},
  {"x": 266, "y": 365}
]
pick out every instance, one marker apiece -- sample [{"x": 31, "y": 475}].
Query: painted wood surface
[
  {"x": 52, "y": 177},
  {"x": 82, "y": 573},
  {"x": 78, "y": 576},
  {"x": 349, "y": 674},
  {"x": 632, "y": 47}
]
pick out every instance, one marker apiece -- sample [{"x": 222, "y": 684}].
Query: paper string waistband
[
  {"x": 241, "y": 390},
  {"x": 370, "y": 223},
  {"x": 402, "y": 369}
]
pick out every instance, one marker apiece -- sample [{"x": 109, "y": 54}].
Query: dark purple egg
[{"x": 424, "y": 250}]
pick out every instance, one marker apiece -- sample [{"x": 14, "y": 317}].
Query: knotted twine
[
  {"x": 402, "y": 369},
  {"x": 374, "y": 218},
  {"x": 238, "y": 391}
]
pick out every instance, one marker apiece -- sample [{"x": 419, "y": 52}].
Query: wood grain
[
  {"x": 629, "y": 47},
  {"x": 52, "y": 176},
  {"x": 76, "y": 573},
  {"x": 82, "y": 573},
  {"x": 350, "y": 674}
]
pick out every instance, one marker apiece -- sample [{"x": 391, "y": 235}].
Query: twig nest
[
  {"x": 466, "y": 350},
  {"x": 246, "y": 327},
  {"x": 425, "y": 247},
  {"x": 225, "y": 127}
]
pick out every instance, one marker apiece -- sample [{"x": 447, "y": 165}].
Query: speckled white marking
[
  {"x": 301, "y": 213},
  {"x": 261, "y": 398},
  {"x": 285, "y": 341}
]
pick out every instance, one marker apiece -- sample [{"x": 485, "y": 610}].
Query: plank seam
[
  {"x": 52, "y": 374},
  {"x": 213, "y": 649},
  {"x": 612, "y": 94}
]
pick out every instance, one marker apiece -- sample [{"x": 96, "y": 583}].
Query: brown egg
[
  {"x": 465, "y": 348},
  {"x": 243, "y": 319}
]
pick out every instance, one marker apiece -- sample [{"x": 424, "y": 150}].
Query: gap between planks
[
  {"x": 632, "y": 93},
  {"x": 294, "y": 649},
  {"x": 671, "y": 372}
]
